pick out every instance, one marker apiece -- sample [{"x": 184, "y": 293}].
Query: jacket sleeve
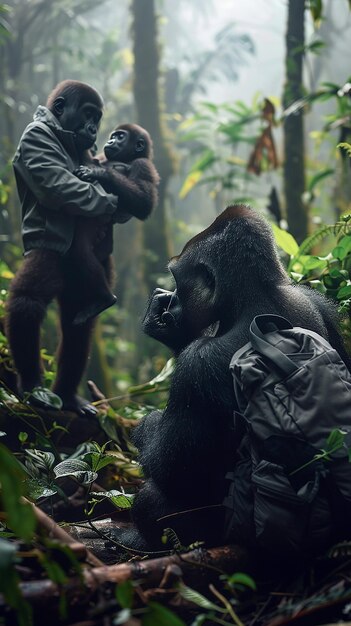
[{"x": 43, "y": 164}]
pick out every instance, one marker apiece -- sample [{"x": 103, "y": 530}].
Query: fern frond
[{"x": 316, "y": 237}]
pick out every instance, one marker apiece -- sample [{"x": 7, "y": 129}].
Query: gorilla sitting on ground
[{"x": 225, "y": 276}]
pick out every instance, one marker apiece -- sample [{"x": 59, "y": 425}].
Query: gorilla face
[
  {"x": 83, "y": 120},
  {"x": 195, "y": 297},
  {"x": 116, "y": 145},
  {"x": 126, "y": 143}
]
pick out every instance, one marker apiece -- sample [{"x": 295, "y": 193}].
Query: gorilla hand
[
  {"x": 162, "y": 319},
  {"x": 90, "y": 174}
]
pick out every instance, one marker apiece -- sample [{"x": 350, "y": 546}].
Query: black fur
[
  {"x": 228, "y": 273},
  {"x": 45, "y": 274}
]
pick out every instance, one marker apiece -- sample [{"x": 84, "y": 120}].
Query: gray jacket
[{"x": 51, "y": 196}]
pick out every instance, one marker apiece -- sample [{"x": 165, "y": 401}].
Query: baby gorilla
[{"x": 125, "y": 169}]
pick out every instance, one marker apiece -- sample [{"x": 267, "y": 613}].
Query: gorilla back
[{"x": 225, "y": 276}]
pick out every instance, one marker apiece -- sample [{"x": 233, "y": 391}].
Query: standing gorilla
[
  {"x": 52, "y": 199},
  {"x": 224, "y": 276}
]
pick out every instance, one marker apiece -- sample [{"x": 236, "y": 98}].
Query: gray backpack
[{"x": 293, "y": 392}]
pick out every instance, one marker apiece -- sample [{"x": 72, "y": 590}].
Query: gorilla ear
[
  {"x": 58, "y": 106},
  {"x": 206, "y": 279},
  {"x": 140, "y": 145}
]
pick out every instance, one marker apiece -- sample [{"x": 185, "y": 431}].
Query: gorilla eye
[
  {"x": 93, "y": 114},
  {"x": 118, "y": 134}
]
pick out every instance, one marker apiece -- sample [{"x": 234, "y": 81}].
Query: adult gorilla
[
  {"x": 224, "y": 276},
  {"x": 52, "y": 199}
]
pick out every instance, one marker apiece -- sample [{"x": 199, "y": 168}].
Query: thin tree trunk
[
  {"x": 149, "y": 113},
  {"x": 294, "y": 166}
]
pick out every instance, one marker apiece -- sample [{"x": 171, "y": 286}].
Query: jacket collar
[{"x": 66, "y": 137}]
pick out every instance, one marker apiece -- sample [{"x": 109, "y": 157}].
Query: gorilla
[
  {"x": 53, "y": 199},
  {"x": 225, "y": 276},
  {"x": 125, "y": 169}
]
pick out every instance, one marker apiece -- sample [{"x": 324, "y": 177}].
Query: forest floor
[{"x": 75, "y": 573}]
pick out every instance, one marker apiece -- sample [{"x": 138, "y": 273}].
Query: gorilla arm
[
  {"x": 179, "y": 447},
  {"x": 45, "y": 168},
  {"x": 137, "y": 192}
]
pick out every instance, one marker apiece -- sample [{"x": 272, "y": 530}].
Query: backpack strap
[{"x": 260, "y": 326}]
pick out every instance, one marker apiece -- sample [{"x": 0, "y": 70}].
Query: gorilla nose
[{"x": 91, "y": 129}]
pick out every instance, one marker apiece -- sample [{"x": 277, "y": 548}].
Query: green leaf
[
  {"x": 20, "y": 515},
  {"x": 79, "y": 470},
  {"x": 206, "y": 160},
  {"x": 197, "y": 598},
  {"x": 118, "y": 498},
  {"x": 109, "y": 426},
  {"x": 9, "y": 584},
  {"x": 285, "y": 240},
  {"x": 338, "y": 252},
  {"x": 318, "y": 177},
  {"x": 124, "y": 594},
  {"x": 311, "y": 262},
  {"x": 344, "y": 292},
  {"x": 190, "y": 182},
  {"x": 70, "y": 466},
  {"x": 335, "y": 440},
  {"x": 40, "y": 489},
  {"x": 164, "y": 374},
  {"x": 41, "y": 460},
  {"x": 345, "y": 244},
  {"x": 54, "y": 570},
  {"x": 97, "y": 460},
  {"x": 241, "y": 579},
  {"x": 158, "y": 615},
  {"x": 316, "y": 46},
  {"x": 45, "y": 398},
  {"x": 7, "y": 557},
  {"x": 316, "y": 8}
]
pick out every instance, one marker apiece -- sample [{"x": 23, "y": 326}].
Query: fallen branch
[
  {"x": 150, "y": 572},
  {"x": 56, "y": 532}
]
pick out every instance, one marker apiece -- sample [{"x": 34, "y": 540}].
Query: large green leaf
[
  {"x": 158, "y": 615},
  {"x": 285, "y": 240},
  {"x": 124, "y": 594},
  {"x": 76, "y": 469},
  {"x": 20, "y": 515},
  {"x": 344, "y": 292},
  {"x": 9, "y": 584}
]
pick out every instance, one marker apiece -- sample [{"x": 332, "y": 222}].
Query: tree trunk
[
  {"x": 294, "y": 166},
  {"x": 149, "y": 113}
]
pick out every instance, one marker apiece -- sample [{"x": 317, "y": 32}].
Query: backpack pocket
[{"x": 281, "y": 516}]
